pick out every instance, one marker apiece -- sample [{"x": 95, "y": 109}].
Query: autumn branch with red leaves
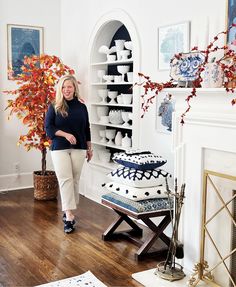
[{"x": 226, "y": 62}]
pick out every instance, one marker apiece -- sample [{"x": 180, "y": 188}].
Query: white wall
[
  {"x": 25, "y": 12},
  {"x": 68, "y": 25},
  {"x": 207, "y": 17}
]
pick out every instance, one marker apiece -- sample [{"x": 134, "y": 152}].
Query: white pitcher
[
  {"x": 126, "y": 141},
  {"x": 118, "y": 139}
]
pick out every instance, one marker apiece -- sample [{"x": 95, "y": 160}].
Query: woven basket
[{"x": 45, "y": 186}]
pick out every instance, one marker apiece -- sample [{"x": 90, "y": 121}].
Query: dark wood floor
[{"x": 34, "y": 249}]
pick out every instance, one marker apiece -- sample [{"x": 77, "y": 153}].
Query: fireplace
[
  {"x": 233, "y": 259},
  {"x": 205, "y": 142}
]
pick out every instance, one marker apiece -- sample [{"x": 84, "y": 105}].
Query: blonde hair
[{"x": 60, "y": 104}]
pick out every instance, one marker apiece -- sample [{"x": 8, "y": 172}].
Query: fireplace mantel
[{"x": 207, "y": 140}]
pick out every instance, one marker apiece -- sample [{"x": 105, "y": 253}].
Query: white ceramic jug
[
  {"x": 118, "y": 139},
  {"x": 126, "y": 141}
]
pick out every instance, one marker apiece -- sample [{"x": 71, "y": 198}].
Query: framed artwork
[
  {"x": 231, "y": 19},
  {"x": 171, "y": 40},
  {"x": 22, "y": 41},
  {"x": 164, "y": 111}
]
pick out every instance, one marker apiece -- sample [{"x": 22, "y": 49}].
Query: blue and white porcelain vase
[{"x": 212, "y": 76}]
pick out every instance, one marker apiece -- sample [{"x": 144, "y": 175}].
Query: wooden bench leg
[
  {"x": 157, "y": 233},
  {"x": 110, "y": 232}
]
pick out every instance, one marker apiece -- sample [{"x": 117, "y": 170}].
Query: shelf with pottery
[
  {"x": 111, "y": 125},
  {"x": 111, "y": 105},
  {"x": 111, "y": 99},
  {"x": 112, "y": 83},
  {"x": 128, "y": 61},
  {"x": 109, "y": 145}
]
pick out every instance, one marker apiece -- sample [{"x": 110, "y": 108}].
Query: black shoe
[
  {"x": 68, "y": 227},
  {"x": 64, "y": 219}
]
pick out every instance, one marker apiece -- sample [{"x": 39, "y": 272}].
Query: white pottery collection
[
  {"x": 113, "y": 137},
  {"x": 118, "y": 138},
  {"x": 121, "y": 51},
  {"x": 126, "y": 141},
  {"x": 115, "y": 117},
  {"x": 122, "y": 48},
  {"x": 102, "y": 93}
]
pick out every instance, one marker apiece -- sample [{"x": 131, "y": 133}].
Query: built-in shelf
[
  {"x": 128, "y": 61},
  {"x": 111, "y": 125},
  {"x": 99, "y": 62},
  {"x": 112, "y": 84},
  {"x": 112, "y": 105},
  {"x": 109, "y": 145}
]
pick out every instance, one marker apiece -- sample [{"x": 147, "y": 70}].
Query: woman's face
[{"x": 68, "y": 90}]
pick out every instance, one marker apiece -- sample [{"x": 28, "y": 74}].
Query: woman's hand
[
  {"x": 70, "y": 138},
  {"x": 89, "y": 154}
]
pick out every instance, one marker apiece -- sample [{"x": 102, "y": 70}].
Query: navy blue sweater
[{"x": 76, "y": 123}]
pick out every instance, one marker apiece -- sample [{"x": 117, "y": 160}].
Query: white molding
[
  {"x": 211, "y": 120},
  {"x": 12, "y": 182}
]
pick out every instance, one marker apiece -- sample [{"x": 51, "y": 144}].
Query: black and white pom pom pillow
[
  {"x": 135, "y": 193},
  {"x": 139, "y": 160},
  {"x": 139, "y": 178}
]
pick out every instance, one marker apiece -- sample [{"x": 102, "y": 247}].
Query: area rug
[
  {"x": 86, "y": 279},
  {"x": 149, "y": 279}
]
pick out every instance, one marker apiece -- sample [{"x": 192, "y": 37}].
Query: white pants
[{"x": 68, "y": 164}]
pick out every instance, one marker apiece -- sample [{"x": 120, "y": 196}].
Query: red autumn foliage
[
  {"x": 227, "y": 64},
  {"x": 36, "y": 91}
]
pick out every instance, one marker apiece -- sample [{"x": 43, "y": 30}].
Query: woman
[{"x": 67, "y": 125}]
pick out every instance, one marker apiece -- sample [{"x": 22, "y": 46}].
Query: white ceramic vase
[
  {"x": 126, "y": 141},
  {"x": 118, "y": 138}
]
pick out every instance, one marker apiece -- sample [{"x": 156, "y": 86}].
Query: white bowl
[
  {"x": 102, "y": 93},
  {"x": 119, "y": 45},
  {"x": 127, "y": 98},
  {"x": 102, "y": 134},
  {"x": 112, "y": 95},
  {"x": 124, "y": 54},
  {"x": 125, "y": 118},
  {"x": 122, "y": 69},
  {"x": 108, "y": 78},
  {"x": 115, "y": 117},
  {"x": 119, "y": 99},
  {"x": 130, "y": 77},
  {"x": 111, "y": 58},
  {"x": 128, "y": 45},
  {"x": 117, "y": 78},
  {"x": 110, "y": 135},
  {"x": 102, "y": 111},
  {"x": 103, "y": 49},
  {"x": 100, "y": 74}
]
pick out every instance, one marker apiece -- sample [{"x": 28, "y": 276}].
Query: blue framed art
[
  {"x": 164, "y": 110},
  {"x": 172, "y": 39},
  {"x": 231, "y": 19},
  {"x": 22, "y": 41}
]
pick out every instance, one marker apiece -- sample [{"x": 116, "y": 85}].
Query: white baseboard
[{"x": 12, "y": 182}]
